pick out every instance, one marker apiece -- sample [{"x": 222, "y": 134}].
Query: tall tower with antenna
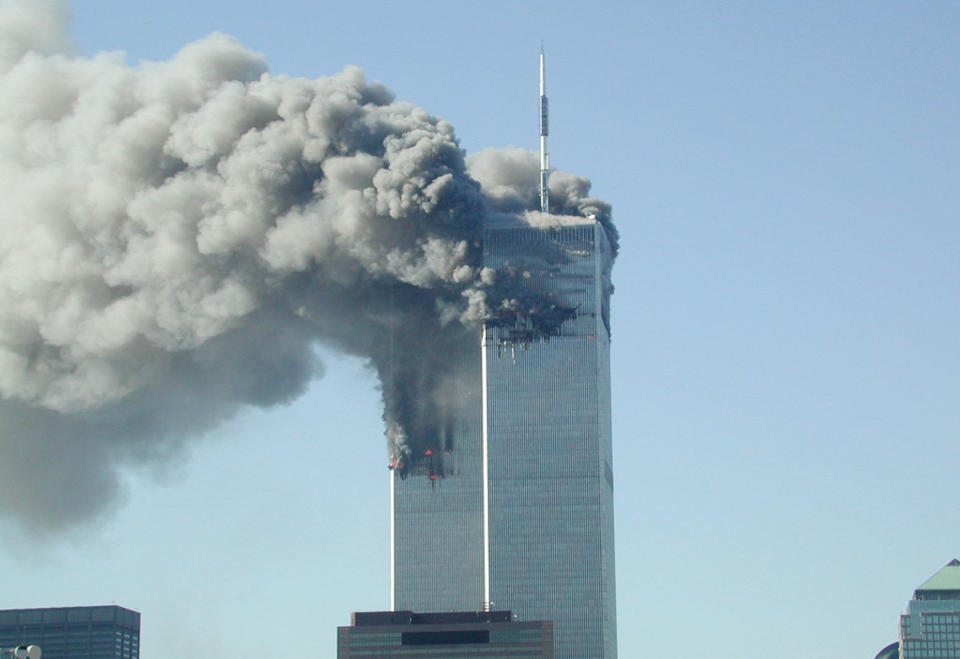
[
  {"x": 544, "y": 131},
  {"x": 522, "y": 518},
  {"x": 546, "y": 432}
]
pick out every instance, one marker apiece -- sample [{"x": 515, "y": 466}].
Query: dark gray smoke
[{"x": 177, "y": 237}]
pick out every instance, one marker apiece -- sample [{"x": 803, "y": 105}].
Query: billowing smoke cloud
[{"x": 177, "y": 237}]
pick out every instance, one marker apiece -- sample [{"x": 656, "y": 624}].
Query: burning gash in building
[{"x": 178, "y": 236}]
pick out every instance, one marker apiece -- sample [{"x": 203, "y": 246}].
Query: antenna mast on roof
[{"x": 544, "y": 130}]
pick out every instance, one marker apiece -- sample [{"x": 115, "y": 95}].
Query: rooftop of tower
[{"x": 945, "y": 584}]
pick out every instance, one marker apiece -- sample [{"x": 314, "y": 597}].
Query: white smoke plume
[{"x": 177, "y": 237}]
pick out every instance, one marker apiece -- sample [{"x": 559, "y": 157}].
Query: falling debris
[{"x": 179, "y": 236}]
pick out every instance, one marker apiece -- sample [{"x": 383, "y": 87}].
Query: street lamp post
[{"x": 21, "y": 652}]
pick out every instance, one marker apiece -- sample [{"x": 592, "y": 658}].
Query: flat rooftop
[{"x": 369, "y": 618}]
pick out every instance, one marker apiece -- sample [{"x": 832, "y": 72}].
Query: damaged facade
[{"x": 522, "y": 516}]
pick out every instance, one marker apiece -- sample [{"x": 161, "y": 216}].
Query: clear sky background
[{"x": 786, "y": 363}]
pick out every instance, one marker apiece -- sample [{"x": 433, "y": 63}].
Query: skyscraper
[
  {"x": 931, "y": 627},
  {"x": 74, "y": 632},
  {"x": 522, "y": 518},
  {"x": 547, "y": 440}
]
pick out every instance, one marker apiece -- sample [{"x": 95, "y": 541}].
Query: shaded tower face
[
  {"x": 436, "y": 512},
  {"x": 931, "y": 627}
]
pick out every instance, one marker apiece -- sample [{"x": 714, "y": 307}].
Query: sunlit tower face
[
  {"x": 523, "y": 514},
  {"x": 547, "y": 440}
]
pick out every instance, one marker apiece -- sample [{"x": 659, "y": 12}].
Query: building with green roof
[
  {"x": 892, "y": 651},
  {"x": 931, "y": 627}
]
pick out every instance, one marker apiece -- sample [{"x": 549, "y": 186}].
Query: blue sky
[{"x": 786, "y": 363}]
